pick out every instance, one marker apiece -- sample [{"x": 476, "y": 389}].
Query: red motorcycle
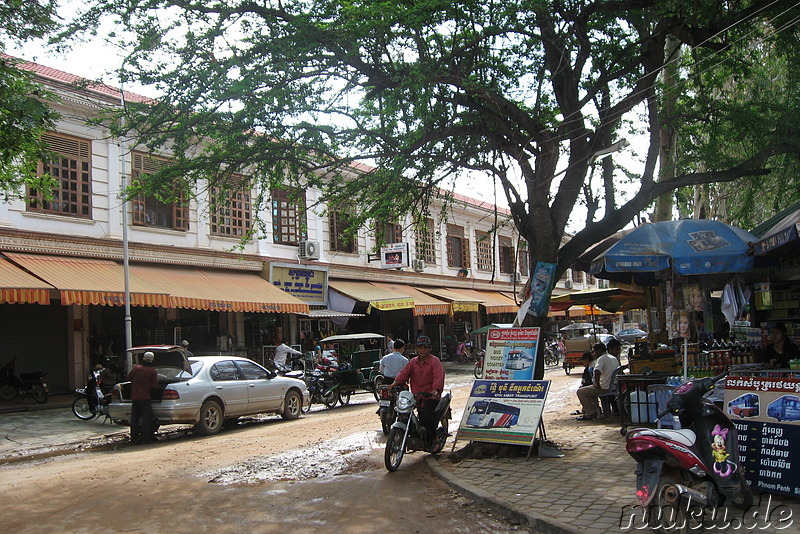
[{"x": 682, "y": 472}]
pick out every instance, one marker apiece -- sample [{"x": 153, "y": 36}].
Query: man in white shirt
[
  {"x": 283, "y": 350},
  {"x": 605, "y": 364},
  {"x": 394, "y": 362}
]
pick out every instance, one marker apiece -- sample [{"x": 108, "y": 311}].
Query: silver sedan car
[{"x": 207, "y": 390}]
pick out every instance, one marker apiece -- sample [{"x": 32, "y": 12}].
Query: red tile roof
[{"x": 50, "y": 73}]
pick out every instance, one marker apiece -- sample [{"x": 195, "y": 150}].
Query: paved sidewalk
[
  {"x": 583, "y": 492},
  {"x": 29, "y": 430}
]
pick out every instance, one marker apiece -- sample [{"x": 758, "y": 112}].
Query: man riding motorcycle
[{"x": 427, "y": 376}]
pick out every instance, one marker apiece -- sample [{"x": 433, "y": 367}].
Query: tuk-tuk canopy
[{"x": 350, "y": 337}]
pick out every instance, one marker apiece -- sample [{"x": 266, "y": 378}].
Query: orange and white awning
[
  {"x": 221, "y": 290},
  {"x": 380, "y": 298},
  {"x": 86, "y": 280},
  {"x": 20, "y": 287},
  {"x": 102, "y": 282}
]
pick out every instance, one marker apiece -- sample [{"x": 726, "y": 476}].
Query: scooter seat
[{"x": 684, "y": 436}]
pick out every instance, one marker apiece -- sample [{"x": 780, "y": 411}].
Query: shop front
[{"x": 78, "y": 303}]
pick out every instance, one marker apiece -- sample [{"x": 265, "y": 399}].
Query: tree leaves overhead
[
  {"x": 424, "y": 92},
  {"x": 25, "y": 111}
]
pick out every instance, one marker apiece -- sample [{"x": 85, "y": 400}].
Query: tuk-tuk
[{"x": 358, "y": 364}]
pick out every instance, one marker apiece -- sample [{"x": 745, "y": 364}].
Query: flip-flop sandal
[
  {"x": 577, "y": 412},
  {"x": 586, "y": 418}
]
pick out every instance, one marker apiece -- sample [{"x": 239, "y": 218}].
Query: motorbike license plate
[{"x": 386, "y": 403}]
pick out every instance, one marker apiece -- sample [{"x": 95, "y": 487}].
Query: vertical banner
[
  {"x": 511, "y": 353},
  {"x": 542, "y": 288},
  {"x": 503, "y": 411},
  {"x": 766, "y": 413}
]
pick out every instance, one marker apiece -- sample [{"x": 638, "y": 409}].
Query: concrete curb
[{"x": 542, "y": 524}]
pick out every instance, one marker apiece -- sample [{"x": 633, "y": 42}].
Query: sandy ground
[{"x": 264, "y": 475}]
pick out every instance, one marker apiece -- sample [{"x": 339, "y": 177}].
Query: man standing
[
  {"x": 282, "y": 350},
  {"x": 605, "y": 364},
  {"x": 394, "y": 362},
  {"x": 144, "y": 379},
  {"x": 427, "y": 376},
  {"x": 389, "y": 345}
]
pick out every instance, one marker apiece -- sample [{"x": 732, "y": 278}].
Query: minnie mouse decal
[{"x": 722, "y": 466}]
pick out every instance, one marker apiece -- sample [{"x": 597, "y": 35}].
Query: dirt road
[{"x": 265, "y": 475}]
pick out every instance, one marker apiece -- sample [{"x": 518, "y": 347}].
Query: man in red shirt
[
  {"x": 143, "y": 379},
  {"x": 427, "y": 376}
]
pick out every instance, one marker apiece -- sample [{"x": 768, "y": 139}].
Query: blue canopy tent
[{"x": 686, "y": 247}]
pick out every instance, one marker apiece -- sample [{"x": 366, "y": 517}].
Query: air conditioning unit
[
  {"x": 418, "y": 265},
  {"x": 568, "y": 284},
  {"x": 309, "y": 250}
]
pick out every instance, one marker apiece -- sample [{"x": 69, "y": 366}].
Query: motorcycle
[
  {"x": 90, "y": 401},
  {"x": 408, "y": 434},
  {"x": 682, "y": 472},
  {"x": 552, "y": 354},
  {"x": 478, "y": 369},
  {"x": 323, "y": 388},
  {"x": 26, "y": 384}
]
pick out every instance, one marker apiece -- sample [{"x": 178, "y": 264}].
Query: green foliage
[
  {"x": 25, "y": 111},
  {"x": 424, "y": 92}
]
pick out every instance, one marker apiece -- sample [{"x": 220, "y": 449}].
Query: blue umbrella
[{"x": 688, "y": 247}]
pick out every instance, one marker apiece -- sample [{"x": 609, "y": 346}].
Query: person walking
[
  {"x": 394, "y": 362},
  {"x": 427, "y": 376},
  {"x": 144, "y": 380}
]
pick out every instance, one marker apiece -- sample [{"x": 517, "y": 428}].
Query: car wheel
[
  {"x": 292, "y": 405},
  {"x": 211, "y": 418}
]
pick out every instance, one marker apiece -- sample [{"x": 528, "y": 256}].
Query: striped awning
[
  {"x": 424, "y": 304},
  {"x": 220, "y": 290},
  {"x": 493, "y": 301},
  {"x": 459, "y": 302},
  {"x": 380, "y": 298},
  {"x": 20, "y": 287},
  {"x": 87, "y": 281}
]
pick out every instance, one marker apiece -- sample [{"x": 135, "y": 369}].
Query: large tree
[{"x": 530, "y": 93}]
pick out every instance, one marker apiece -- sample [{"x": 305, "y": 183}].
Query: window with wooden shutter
[
  {"x": 339, "y": 224},
  {"x": 149, "y": 210},
  {"x": 457, "y": 247},
  {"x": 388, "y": 232},
  {"x": 483, "y": 251},
  {"x": 288, "y": 216},
  {"x": 506, "y": 255},
  {"x": 426, "y": 243},
  {"x": 71, "y": 170},
  {"x": 233, "y": 215}
]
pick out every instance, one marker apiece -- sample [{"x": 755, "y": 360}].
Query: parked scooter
[
  {"x": 682, "y": 471},
  {"x": 323, "y": 388},
  {"x": 26, "y": 384},
  {"x": 408, "y": 434},
  {"x": 90, "y": 401}
]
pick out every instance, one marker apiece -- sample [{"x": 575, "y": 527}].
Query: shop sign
[
  {"x": 309, "y": 284},
  {"x": 511, "y": 353},
  {"x": 766, "y": 413},
  {"x": 504, "y": 411},
  {"x": 392, "y": 304},
  {"x": 459, "y": 306}
]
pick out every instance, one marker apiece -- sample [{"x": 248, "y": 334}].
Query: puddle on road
[{"x": 330, "y": 458}]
